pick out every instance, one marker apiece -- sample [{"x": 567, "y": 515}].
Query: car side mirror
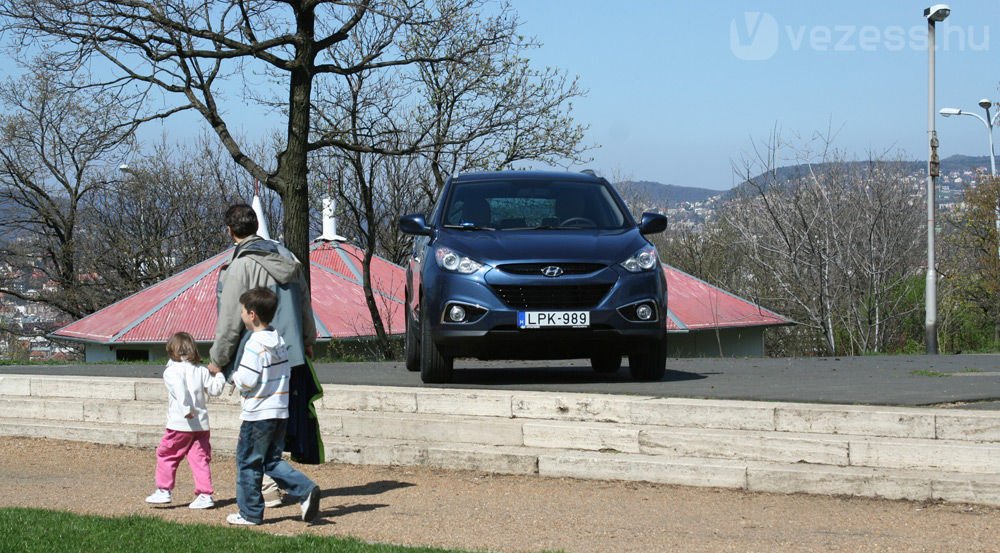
[
  {"x": 414, "y": 224},
  {"x": 652, "y": 223}
]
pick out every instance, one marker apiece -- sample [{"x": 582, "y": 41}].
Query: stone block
[
  {"x": 581, "y": 436},
  {"x": 745, "y": 445},
  {"x": 49, "y": 409},
  {"x": 944, "y": 455},
  {"x": 703, "y": 413},
  {"x": 152, "y": 389},
  {"x": 979, "y": 426},
  {"x": 369, "y": 398},
  {"x": 465, "y": 403},
  {"x": 83, "y": 387},
  {"x": 434, "y": 429},
  {"x": 823, "y": 480},
  {"x": 582, "y": 407},
  {"x": 980, "y": 489},
  {"x": 15, "y": 385},
  {"x": 855, "y": 420},
  {"x": 484, "y": 459},
  {"x": 611, "y": 466}
]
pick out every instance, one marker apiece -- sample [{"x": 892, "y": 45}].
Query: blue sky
[{"x": 677, "y": 90}]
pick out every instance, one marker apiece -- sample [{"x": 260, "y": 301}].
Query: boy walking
[{"x": 263, "y": 376}]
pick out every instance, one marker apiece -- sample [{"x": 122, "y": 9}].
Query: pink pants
[{"x": 176, "y": 445}]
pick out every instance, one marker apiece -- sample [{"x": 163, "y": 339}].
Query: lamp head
[
  {"x": 985, "y": 103},
  {"x": 937, "y": 12},
  {"x": 945, "y": 112}
]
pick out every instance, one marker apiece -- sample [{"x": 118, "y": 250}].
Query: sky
[{"x": 679, "y": 91}]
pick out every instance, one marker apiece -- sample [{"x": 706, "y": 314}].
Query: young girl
[{"x": 187, "y": 422}]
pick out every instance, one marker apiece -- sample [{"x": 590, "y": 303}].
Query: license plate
[{"x": 553, "y": 319}]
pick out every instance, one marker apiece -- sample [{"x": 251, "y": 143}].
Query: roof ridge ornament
[{"x": 330, "y": 223}]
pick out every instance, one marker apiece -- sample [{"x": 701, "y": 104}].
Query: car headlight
[
  {"x": 450, "y": 260},
  {"x": 643, "y": 260}
]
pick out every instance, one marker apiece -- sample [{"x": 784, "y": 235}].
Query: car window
[{"x": 519, "y": 205}]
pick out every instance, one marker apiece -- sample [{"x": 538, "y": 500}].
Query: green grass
[
  {"x": 924, "y": 372},
  {"x": 38, "y": 531},
  {"x": 7, "y": 362}
]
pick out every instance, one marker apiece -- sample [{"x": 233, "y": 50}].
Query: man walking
[{"x": 259, "y": 262}]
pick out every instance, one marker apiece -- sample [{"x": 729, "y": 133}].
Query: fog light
[
  {"x": 456, "y": 313},
  {"x": 644, "y": 312}
]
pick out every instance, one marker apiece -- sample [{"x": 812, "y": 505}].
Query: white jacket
[
  {"x": 263, "y": 377},
  {"x": 188, "y": 387}
]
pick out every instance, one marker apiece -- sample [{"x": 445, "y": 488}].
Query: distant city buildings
[
  {"x": 25, "y": 324},
  {"x": 951, "y": 187}
]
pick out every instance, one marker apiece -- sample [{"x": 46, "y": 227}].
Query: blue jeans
[{"x": 258, "y": 452}]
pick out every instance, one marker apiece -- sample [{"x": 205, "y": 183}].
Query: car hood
[{"x": 493, "y": 247}]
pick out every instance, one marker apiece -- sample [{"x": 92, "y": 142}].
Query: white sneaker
[
  {"x": 159, "y": 496},
  {"x": 237, "y": 519},
  {"x": 310, "y": 507},
  {"x": 276, "y": 501},
  {"x": 203, "y": 501}
]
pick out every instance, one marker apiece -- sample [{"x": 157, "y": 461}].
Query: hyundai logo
[{"x": 552, "y": 271}]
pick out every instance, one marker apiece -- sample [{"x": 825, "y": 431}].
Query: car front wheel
[
  {"x": 606, "y": 363},
  {"x": 649, "y": 365},
  {"x": 435, "y": 368},
  {"x": 412, "y": 343}
]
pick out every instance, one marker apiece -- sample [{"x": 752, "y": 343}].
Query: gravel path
[{"x": 458, "y": 509}]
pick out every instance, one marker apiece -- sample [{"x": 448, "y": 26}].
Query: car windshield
[{"x": 532, "y": 205}]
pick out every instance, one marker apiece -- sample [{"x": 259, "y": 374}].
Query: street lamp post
[
  {"x": 989, "y": 123},
  {"x": 934, "y": 14}
]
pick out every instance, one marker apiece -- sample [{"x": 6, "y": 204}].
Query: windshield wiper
[{"x": 468, "y": 226}]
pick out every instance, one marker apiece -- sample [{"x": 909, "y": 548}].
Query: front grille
[
  {"x": 552, "y": 297},
  {"x": 536, "y": 268}
]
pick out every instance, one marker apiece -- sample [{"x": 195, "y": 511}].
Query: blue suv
[{"x": 534, "y": 265}]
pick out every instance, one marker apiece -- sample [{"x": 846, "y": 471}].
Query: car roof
[{"x": 526, "y": 175}]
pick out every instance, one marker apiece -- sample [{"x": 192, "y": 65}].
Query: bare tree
[
  {"x": 879, "y": 253},
  {"x": 56, "y": 152},
  {"x": 838, "y": 241},
  {"x": 493, "y": 109},
  {"x": 171, "y": 56},
  {"x": 398, "y": 197},
  {"x": 161, "y": 216}
]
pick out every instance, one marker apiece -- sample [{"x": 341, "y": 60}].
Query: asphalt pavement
[{"x": 966, "y": 381}]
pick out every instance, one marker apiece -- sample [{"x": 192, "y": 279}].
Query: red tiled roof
[
  {"x": 111, "y": 324},
  {"x": 186, "y": 301},
  {"x": 693, "y": 304}
]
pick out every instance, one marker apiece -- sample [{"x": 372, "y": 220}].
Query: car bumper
[{"x": 494, "y": 333}]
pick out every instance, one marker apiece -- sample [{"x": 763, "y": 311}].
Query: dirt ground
[{"x": 476, "y": 511}]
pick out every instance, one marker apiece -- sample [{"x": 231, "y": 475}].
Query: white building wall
[
  {"x": 98, "y": 353},
  {"x": 734, "y": 342}
]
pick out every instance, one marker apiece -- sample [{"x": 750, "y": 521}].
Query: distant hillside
[
  {"x": 667, "y": 195},
  {"x": 952, "y": 164}
]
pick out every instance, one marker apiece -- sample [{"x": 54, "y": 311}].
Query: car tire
[
  {"x": 411, "y": 343},
  {"x": 606, "y": 363},
  {"x": 650, "y": 365},
  {"x": 435, "y": 368}
]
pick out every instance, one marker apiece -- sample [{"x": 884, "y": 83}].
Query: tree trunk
[
  {"x": 292, "y": 179},
  {"x": 385, "y": 349}
]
